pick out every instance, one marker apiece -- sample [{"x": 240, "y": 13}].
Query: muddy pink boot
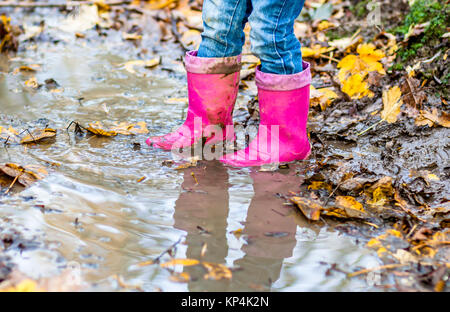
[
  {"x": 212, "y": 89},
  {"x": 283, "y": 109}
]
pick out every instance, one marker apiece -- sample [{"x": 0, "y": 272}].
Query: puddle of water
[{"x": 97, "y": 214}]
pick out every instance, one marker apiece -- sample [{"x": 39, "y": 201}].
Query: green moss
[
  {"x": 360, "y": 9},
  {"x": 437, "y": 17}
]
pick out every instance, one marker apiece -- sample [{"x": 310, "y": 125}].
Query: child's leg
[
  {"x": 272, "y": 35},
  {"x": 223, "y": 23}
]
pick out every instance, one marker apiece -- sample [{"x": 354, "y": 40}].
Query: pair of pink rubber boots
[{"x": 213, "y": 85}]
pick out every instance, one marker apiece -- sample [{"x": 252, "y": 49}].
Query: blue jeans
[{"x": 272, "y": 32}]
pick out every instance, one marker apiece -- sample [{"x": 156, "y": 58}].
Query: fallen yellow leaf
[
  {"x": 356, "y": 87},
  {"x": 309, "y": 208},
  {"x": 392, "y": 101},
  {"x": 183, "y": 262}
]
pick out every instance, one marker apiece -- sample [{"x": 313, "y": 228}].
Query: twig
[
  {"x": 13, "y": 182},
  {"x": 156, "y": 260},
  {"x": 375, "y": 124},
  {"x": 382, "y": 267},
  {"x": 430, "y": 244},
  {"x": 55, "y": 5}
]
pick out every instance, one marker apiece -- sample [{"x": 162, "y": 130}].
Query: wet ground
[{"x": 110, "y": 204}]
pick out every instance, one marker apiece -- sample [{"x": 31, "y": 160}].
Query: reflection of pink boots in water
[{"x": 283, "y": 101}]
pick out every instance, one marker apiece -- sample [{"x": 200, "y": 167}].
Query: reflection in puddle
[{"x": 269, "y": 253}]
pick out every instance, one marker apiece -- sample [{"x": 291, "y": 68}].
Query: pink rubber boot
[
  {"x": 212, "y": 89},
  {"x": 283, "y": 109}
]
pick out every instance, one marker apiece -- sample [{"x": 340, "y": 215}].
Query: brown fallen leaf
[
  {"x": 310, "y": 208},
  {"x": 97, "y": 128},
  {"x": 25, "y": 175},
  {"x": 412, "y": 95},
  {"x": 433, "y": 118},
  {"x": 38, "y": 135}
]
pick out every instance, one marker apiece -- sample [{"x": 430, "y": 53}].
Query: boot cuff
[
  {"x": 212, "y": 65},
  {"x": 274, "y": 82}
]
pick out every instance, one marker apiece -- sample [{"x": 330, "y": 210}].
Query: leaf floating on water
[
  {"x": 130, "y": 65},
  {"x": 183, "y": 262},
  {"x": 182, "y": 277},
  {"x": 192, "y": 163},
  {"x": 27, "y": 285},
  {"x": 97, "y": 128},
  {"x": 32, "y": 83},
  {"x": 216, "y": 271},
  {"x": 27, "y": 69},
  {"x": 25, "y": 175},
  {"x": 38, "y": 135},
  {"x": 310, "y": 208},
  {"x": 10, "y": 134},
  {"x": 126, "y": 128}
]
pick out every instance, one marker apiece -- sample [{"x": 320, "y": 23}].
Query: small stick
[
  {"x": 13, "y": 182},
  {"x": 156, "y": 260},
  {"x": 382, "y": 267},
  {"x": 430, "y": 244}
]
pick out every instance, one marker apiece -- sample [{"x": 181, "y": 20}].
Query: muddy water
[{"x": 92, "y": 212}]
